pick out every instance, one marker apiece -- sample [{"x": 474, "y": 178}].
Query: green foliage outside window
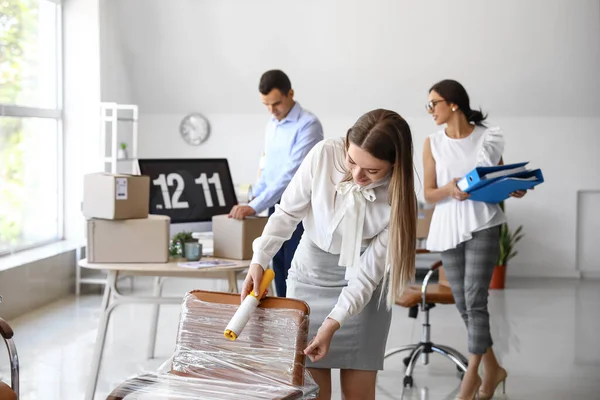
[{"x": 18, "y": 31}]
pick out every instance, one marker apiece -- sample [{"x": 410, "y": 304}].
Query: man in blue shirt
[{"x": 291, "y": 133}]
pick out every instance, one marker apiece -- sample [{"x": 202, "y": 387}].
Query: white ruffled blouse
[
  {"x": 339, "y": 217},
  {"x": 454, "y": 221}
]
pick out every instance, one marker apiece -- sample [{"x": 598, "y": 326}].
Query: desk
[{"x": 113, "y": 298}]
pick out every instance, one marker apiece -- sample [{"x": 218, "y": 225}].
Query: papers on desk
[{"x": 205, "y": 264}]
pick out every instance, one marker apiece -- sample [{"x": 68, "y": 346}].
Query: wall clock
[{"x": 194, "y": 129}]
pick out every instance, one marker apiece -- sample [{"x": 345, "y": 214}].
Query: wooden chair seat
[
  {"x": 201, "y": 365},
  {"x": 6, "y": 393},
  {"x": 436, "y": 294}
]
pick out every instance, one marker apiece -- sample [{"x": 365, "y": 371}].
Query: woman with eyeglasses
[{"x": 466, "y": 232}]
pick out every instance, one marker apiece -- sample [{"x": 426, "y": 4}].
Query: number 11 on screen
[{"x": 164, "y": 181}]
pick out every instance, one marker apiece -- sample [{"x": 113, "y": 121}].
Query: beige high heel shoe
[
  {"x": 501, "y": 380},
  {"x": 475, "y": 393}
]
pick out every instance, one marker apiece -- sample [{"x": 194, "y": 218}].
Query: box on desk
[
  {"x": 140, "y": 240},
  {"x": 233, "y": 238},
  {"x": 114, "y": 196}
]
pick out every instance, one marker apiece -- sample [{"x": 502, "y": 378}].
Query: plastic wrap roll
[
  {"x": 241, "y": 318},
  {"x": 242, "y": 315}
]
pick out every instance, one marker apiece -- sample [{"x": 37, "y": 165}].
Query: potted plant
[
  {"x": 176, "y": 249},
  {"x": 122, "y": 152},
  {"x": 508, "y": 240}
]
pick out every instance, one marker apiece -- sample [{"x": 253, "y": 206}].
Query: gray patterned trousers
[{"x": 469, "y": 269}]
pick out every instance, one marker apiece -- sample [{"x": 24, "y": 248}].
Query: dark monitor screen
[{"x": 189, "y": 190}]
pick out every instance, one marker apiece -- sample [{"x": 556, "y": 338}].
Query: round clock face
[{"x": 194, "y": 129}]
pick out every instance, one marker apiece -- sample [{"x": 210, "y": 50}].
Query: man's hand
[
  {"x": 241, "y": 212},
  {"x": 319, "y": 346}
]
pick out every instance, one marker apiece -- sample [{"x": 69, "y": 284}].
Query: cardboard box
[
  {"x": 423, "y": 222},
  {"x": 140, "y": 240},
  {"x": 233, "y": 238},
  {"x": 114, "y": 196}
]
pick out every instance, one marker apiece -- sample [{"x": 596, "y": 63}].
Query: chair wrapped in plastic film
[{"x": 265, "y": 362}]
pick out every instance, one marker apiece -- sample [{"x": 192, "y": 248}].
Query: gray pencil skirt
[{"x": 316, "y": 278}]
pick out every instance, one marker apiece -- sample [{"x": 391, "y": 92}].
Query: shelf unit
[{"x": 111, "y": 114}]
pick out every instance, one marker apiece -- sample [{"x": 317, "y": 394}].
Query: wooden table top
[{"x": 169, "y": 268}]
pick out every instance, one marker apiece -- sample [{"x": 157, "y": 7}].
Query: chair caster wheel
[
  {"x": 408, "y": 381},
  {"x": 406, "y": 360}
]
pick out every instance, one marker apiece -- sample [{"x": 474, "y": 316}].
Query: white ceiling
[{"x": 516, "y": 58}]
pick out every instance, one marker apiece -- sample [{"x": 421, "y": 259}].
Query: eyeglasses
[{"x": 431, "y": 105}]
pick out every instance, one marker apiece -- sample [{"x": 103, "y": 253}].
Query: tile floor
[{"x": 545, "y": 334}]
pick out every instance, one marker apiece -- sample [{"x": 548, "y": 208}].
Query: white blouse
[
  {"x": 454, "y": 221},
  {"x": 355, "y": 218}
]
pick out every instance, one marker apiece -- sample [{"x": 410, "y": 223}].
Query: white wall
[
  {"x": 35, "y": 284},
  {"x": 532, "y": 65},
  {"x": 588, "y": 223},
  {"x": 518, "y": 58},
  {"x": 81, "y": 105},
  {"x": 115, "y": 82}
]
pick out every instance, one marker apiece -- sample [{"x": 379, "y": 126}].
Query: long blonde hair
[{"x": 386, "y": 136}]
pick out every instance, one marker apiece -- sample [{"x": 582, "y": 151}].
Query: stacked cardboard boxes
[{"x": 119, "y": 227}]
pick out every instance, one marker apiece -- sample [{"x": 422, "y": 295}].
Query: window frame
[{"x": 19, "y": 111}]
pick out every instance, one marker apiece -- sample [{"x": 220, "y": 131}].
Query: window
[{"x": 30, "y": 124}]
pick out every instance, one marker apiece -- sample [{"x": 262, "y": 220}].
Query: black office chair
[{"x": 10, "y": 392}]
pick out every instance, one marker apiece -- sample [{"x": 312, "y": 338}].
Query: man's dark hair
[{"x": 274, "y": 79}]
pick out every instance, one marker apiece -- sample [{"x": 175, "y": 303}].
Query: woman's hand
[
  {"x": 252, "y": 281},
  {"x": 454, "y": 192},
  {"x": 319, "y": 346},
  {"x": 518, "y": 194}
]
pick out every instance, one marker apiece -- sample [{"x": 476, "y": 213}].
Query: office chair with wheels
[
  {"x": 10, "y": 392},
  {"x": 425, "y": 297}
]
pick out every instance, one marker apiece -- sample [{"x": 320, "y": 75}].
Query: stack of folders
[{"x": 495, "y": 184}]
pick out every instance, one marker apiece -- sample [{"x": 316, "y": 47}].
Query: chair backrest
[
  {"x": 269, "y": 349},
  {"x": 12, "y": 392},
  {"x": 442, "y": 280},
  {"x": 266, "y": 362}
]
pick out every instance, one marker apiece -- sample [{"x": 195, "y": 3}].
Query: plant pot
[
  {"x": 122, "y": 154},
  {"x": 192, "y": 251},
  {"x": 498, "y": 277}
]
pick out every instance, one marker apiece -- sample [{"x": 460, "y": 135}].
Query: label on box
[{"x": 121, "y": 189}]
